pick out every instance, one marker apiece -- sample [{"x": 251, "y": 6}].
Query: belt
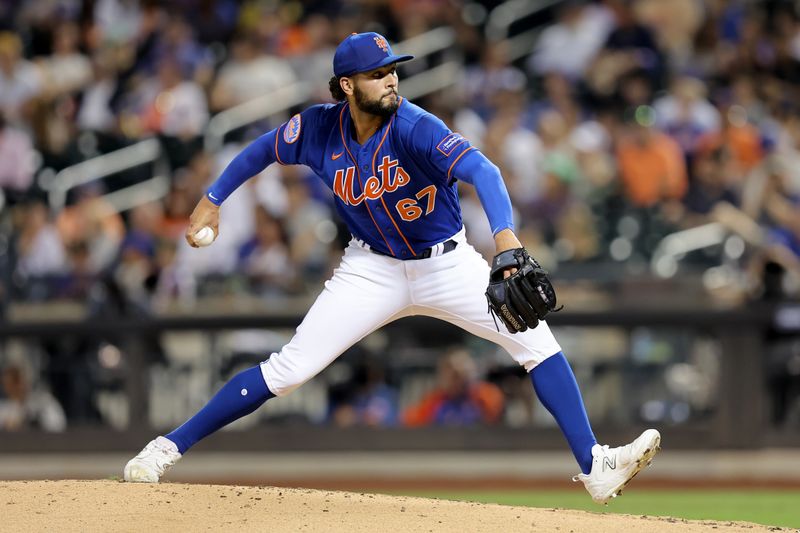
[{"x": 437, "y": 249}]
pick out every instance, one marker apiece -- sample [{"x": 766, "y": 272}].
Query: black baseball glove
[{"x": 525, "y": 297}]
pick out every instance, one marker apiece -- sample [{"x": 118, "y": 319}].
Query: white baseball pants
[{"x": 368, "y": 290}]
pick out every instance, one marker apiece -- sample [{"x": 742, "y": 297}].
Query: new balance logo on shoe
[{"x": 613, "y": 468}]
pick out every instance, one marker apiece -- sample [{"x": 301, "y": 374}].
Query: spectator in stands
[
  {"x": 308, "y": 225},
  {"x": 559, "y": 95},
  {"x": 590, "y": 141},
  {"x": 177, "y": 208},
  {"x": 17, "y": 156},
  {"x": 313, "y": 64},
  {"x": 39, "y": 247},
  {"x": 563, "y": 220},
  {"x": 630, "y": 46},
  {"x": 200, "y": 171},
  {"x": 740, "y": 141},
  {"x": 582, "y": 28},
  {"x": 134, "y": 272},
  {"x": 248, "y": 74},
  {"x": 460, "y": 398},
  {"x": 264, "y": 258},
  {"x": 652, "y": 167},
  {"x": 597, "y": 189},
  {"x": 23, "y": 406},
  {"x": 92, "y": 220},
  {"x": 685, "y": 114},
  {"x": 710, "y": 184},
  {"x": 176, "y": 108},
  {"x": 485, "y": 84},
  {"x": 517, "y": 150},
  {"x": 554, "y": 131},
  {"x": 94, "y": 112},
  {"x": 742, "y": 92},
  {"x": 77, "y": 282},
  {"x": 557, "y": 152},
  {"x": 213, "y": 20},
  {"x": 177, "y": 41},
  {"x": 173, "y": 284},
  {"x": 20, "y": 81},
  {"x": 65, "y": 73},
  {"x": 366, "y": 399},
  {"x": 675, "y": 24},
  {"x": 117, "y": 21},
  {"x": 66, "y": 70},
  {"x": 634, "y": 88}
]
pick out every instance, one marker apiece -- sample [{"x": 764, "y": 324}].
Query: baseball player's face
[{"x": 375, "y": 91}]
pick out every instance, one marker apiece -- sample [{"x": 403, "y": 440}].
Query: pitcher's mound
[{"x": 84, "y": 506}]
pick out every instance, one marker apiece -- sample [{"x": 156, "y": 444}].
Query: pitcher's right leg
[{"x": 365, "y": 292}]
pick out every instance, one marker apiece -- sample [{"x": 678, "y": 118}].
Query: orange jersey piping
[{"x": 358, "y": 173}]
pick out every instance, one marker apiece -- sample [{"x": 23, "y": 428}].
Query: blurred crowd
[{"x": 626, "y": 121}]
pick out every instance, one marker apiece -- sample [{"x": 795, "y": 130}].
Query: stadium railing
[
  {"x": 100, "y": 167},
  {"x": 253, "y": 111},
  {"x": 505, "y": 15}
]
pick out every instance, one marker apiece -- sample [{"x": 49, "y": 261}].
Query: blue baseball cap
[{"x": 362, "y": 52}]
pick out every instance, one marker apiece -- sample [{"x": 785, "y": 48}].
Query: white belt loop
[
  {"x": 461, "y": 236},
  {"x": 361, "y": 244}
]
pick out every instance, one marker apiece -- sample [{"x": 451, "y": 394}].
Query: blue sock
[
  {"x": 243, "y": 394},
  {"x": 558, "y": 391}
]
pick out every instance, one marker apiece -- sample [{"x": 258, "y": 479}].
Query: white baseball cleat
[
  {"x": 157, "y": 457},
  {"x": 613, "y": 468}
]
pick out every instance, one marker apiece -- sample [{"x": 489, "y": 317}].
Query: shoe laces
[
  {"x": 158, "y": 451},
  {"x": 604, "y": 451}
]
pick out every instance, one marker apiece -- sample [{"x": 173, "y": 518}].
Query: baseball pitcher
[{"x": 393, "y": 169}]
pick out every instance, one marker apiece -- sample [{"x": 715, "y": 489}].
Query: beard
[{"x": 377, "y": 107}]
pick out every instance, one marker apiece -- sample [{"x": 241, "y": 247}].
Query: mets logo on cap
[
  {"x": 292, "y": 130},
  {"x": 382, "y": 44}
]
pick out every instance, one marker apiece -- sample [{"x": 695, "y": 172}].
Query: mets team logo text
[{"x": 374, "y": 187}]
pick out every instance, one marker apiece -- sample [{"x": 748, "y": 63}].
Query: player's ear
[{"x": 347, "y": 85}]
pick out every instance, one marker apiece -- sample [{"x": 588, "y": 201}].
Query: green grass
[{"x": 773, "y": 508}]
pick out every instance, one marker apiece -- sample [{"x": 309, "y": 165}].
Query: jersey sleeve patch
[
  {"x": 292, "y": 130},
  {"x": 449, "y": 143}
]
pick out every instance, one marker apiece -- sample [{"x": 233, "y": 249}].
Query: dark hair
[{"x": 336, "y": 90}]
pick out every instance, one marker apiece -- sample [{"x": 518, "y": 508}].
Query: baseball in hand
[{"x": 204, "y": 236}]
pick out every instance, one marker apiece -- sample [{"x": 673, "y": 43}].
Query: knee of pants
[
  {"x": 284, "y": 372},
  {"x": 534, "y": 360}
]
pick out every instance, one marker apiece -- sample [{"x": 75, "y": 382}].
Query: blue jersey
[{"x": 397, "y": 191}]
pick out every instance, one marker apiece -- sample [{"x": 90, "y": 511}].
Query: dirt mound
[{"x": 115, "y": 506}]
